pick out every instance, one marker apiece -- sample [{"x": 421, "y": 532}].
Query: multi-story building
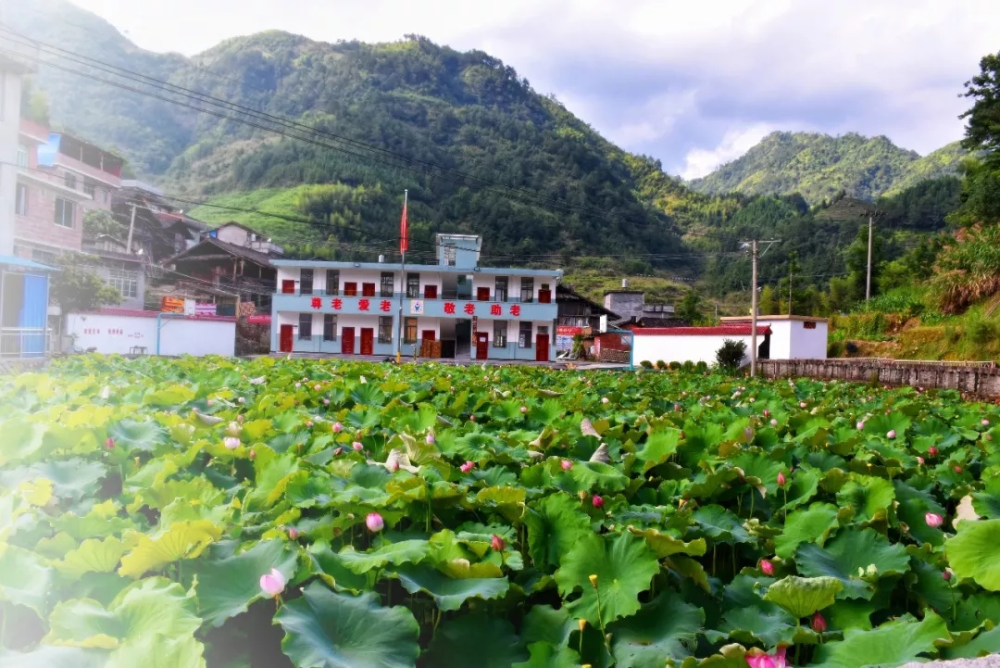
[
  {"x": 58, "y": 178},
  {"x": 475, "y": 312}
]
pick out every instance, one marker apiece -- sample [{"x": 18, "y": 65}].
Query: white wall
[
  {"x": 111, "y": 334},
  {"x": 654, "y": 348},
  {"x": 10, "y": 120},
  {"x": 809, "y": 344},
  {"x": 781, "y": 337}
]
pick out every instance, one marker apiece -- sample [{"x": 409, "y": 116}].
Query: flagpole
[{"x": 403, "y": 245}]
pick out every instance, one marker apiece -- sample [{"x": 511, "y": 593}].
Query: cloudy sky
[{"x": 693, "y": 83}]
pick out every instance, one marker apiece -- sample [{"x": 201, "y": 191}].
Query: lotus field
[{"x": 225, "y": 513}]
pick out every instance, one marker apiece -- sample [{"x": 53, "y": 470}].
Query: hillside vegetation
[{"x": 817, "y": 166}]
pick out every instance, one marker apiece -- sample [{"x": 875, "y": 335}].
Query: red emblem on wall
[
  {"x": 470, "y": 308},
  {"x": 385, "y": 305},
  {"x": 337, "y": 304},
  {"x": 317, "y": 302},
  {"x": 449, "y": 308},
  {"x": 496, "y": 309},
  {"x": 515, "y": 311},
  {"x": 364, "y": 304}
]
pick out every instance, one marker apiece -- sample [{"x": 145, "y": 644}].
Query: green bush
[
  {"x": 730, "y": 356},
  {"x": 675, "y": 366},
  {"x": 646, "y": 364},
  {"x": 688, "y": 366},
  {"x": 701, "y": 366},
  {"x": 982, "y": 331}
]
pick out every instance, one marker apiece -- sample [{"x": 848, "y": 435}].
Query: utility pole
[
  {"x": 131, "y": 227},
  {"x": 402, "y": 281},
  {"x": 868, "y": 285},
  {"x": 755, "y": 256}
]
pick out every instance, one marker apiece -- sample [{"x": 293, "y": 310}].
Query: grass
[{"x": 278, "y": 201}]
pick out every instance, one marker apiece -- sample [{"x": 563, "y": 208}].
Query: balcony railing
[
  {"x": 440, "y": 296},
  {"x": 22, "y": 342}
]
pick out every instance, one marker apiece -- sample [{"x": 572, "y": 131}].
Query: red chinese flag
[{"x": 404, "y": 230}]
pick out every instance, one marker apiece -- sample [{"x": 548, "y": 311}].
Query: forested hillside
[{"x": 817, "y": 166}]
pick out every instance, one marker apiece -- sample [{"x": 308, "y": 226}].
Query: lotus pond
[{"x": 270, "y": 513}]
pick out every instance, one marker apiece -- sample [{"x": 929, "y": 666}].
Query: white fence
[{"x": 25, "y": 343}]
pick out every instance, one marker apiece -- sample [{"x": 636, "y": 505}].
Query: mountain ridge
[{"x": 818, "y": 166}]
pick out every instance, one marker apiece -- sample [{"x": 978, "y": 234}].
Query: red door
[
  {"x": 428, "y": 335},
  {"x": 347, "y": 341},
  {"x": 367, "y": 289},
  {"x": 430, "y": 292},
  {"x": 545, "y": 296},
  {"x": 288, "y": 287},
  {"x": 287, "y": 336},
  {"x": 483, "y": 294},
  {"x": 367, "y": 341},
  {"x": 350, "y": 289},
  {"x": 482, "y": 345},
  {"x": 542, "y": 348}
]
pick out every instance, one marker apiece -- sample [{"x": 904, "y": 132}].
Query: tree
[
  {"x": 689, "y": 307},
  {"x": 793, "y": 268},
  {"x": 75, "y": 287},
  {"x": 34, "y": 104},
  {"x": 730, "y": 356},
  {"x": 768, "y": 301},
  {"x": 97, "y": 222},
  {"x": 983, "y": 129}
]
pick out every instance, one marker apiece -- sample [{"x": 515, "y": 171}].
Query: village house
[{"x": 453, "y": 309}]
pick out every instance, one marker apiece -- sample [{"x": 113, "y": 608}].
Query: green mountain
[
  {"x": 818, "y": 166},
  {"x": 482, "y": 151}
]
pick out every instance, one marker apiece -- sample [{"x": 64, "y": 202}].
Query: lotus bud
[
  {"x": 317, "y": 387},
  {"x": 326, "y": 402},
  {"x": 253, "y": 454},
  {"x": 472, "y": 418},
  {"x": 210, "y": 402},
  {"x": 946, "y": 575},
  {"x": 818, "y": 623},
  {"x": 774, "y": 423},
  {"x": 273, "y": 583},
  {"x": 429, "y": 439},
  {"x": 767, "y": 413},
  {"x": 781, "y": 479},
  {"x": 109, "y": 444},
  {"x": 293, "y": 533},
  {"x": 393, "y": 465},
  {"x": 338, "y": 451},
  {"x": 802, "y": 404},
  {"x": 861, "y": 425},
  {"x": 582, "y": 623},
  {"x": 593, "y": 580},
  {"x": 932, "y": 451},
  {"x": 605, "y": 400},
  {"x": 374, "y": 522},
  {"x": 752, "y": 400},
  {"x": 958, "y": 469},
  {"x": 583, "y": 495},
  {"x": 298, "y": 385},
  {"x": 309, "y": 424},
  {"x": 467, "y": 466},
  {"x": 337, "y": 427},
  {"x": 677, "y": 408},
  {"x": 566, "y": 464},
  {"x": 766, "y": 567},
  {"x": 497, "y": 543},
  {"x": 748, "y": 434},
  {"x": 920, "y": 460},
  {"x": 933, "y": 520},
  {"x": 891, "y": 434},
  {"x": 239, "y": 418},
  {"x": 598, "y": 501},
  {"x": 358, "y": 446},
  {"x": 231, "y": 442},
  {"x": 524, "y": 409}
]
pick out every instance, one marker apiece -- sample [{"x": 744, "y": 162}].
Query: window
[
  {"x": 499, "y": 333},
  {"x": 809, "y": 325},
  {"x": 385, "y": 329},
  {"x": 329, "y": 326},
  {"x": 350, "y": 289},
  {"x": 527, "y": 289},
  {"x": 410, "y": 330},
  {"x": 21, "y": 200},
  {"x": 45, "y": 257},
  {"x": 450, "y": 254},
  {"x": 65, "y": 212},
  {"x": 524, "y": 336},
  {"x": 22, "y": 155},
  {"x": 500, "y": 289},
  {"x": 367, "y": 289},
  {"x": 305, "y": 326},
  {"x": 70, "y": 180},
  {"x": 387, "y": 287},
  {"x": 332, "y": 282},
  {"x": 90, "y": 188},
  {"x": 413, "y": 286},
  {"x": 306, "y": 282},
  {"x": 126, "y": 282}
]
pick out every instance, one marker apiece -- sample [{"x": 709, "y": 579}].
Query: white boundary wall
[{"x": 111, "y": 334}]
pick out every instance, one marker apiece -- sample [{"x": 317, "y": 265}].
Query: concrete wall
[
  {"x": 977, "y": 380},
  {"x": 10, "y": 120},
  {"x": 626, "y": 304},
  {"x": 654, "y": 348},
  {"x": 233, "y": 234},
  {"x": 111, "y": 334}
]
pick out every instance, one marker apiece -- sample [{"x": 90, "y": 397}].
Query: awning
[{"x": 11, "y": 261}]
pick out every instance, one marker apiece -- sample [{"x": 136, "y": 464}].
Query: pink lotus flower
[
  {"x": 317, "y": 387},
  {"x": 358, "y": 446},
  {"x": 337, "y": 427},
  {"x": 818, "y": 623},
  {"x": 472, "y": 418},
  {"x": 109, "y": 444},
  {"x": 986, "y": 423},
  {"x": 393, "y": 465},
  {"x": 958, "y": 469},
  {"x": 273, "y": 583},
  {"x": 756, "y": 658},
  {"x": 598, "y": 501},
  {"x": 467, "y": 466},
  {"x": 524, "y": 409},
  {"x": 298, "y": 385},
  {"x": 767, "y": 413},
  {"x": 946, "y": 575},
  {"x": 774, "y": 423},
  {"x": 231, "y": 442},
  {"x": 429, "y": 439},
  {"x": 861, "y": 425},
  {"x": 309, "y": 424},
  {"x": 566, "y": 464},
  {"x": 766, "y": 567},
  {"x": 241, "y": 400},
  {"x": 891, "y": 434},
  {"x": 234, "y": 429},
  {"x": 497, "y": 543},
  {"x": 802, "y": 404},
  {"x": 374, "y": 522},
  {"x": 605, "y": 400},
  {"x": 239, "y": 418},
  {"x": 338, "y": 452},
  {"x": 211, "y": 402},
  {"x": 920, "y": 460},
  {"x": 781, "y": 479},
  {"x": 932, "y": 451},
  {"x": 933, "y": 520},
  {"x": 293, "y": 533},
  {"x": 752, "y": 400},
  {"x": 326, "y": 402}
]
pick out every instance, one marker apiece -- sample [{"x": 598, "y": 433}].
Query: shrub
[
  {"x": 661, "y": 365},
  {"x": 730, "y": 356},
  {"x": 646, "y": 364},
  {"x": 701, "y": 366},
  {"x": 675, "y": 366},
  {"x": 688, "y": 366},
  {"x": 835, "y": 349},
  {"x": 982, "y": 331}
]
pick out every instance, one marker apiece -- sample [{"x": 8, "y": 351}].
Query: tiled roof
[
  {"x": 723, "y": 330},
  {"x": 262, "y": 259}
]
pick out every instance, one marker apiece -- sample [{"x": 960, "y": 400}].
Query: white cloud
[
  {"x": 670, "y": 78},
  {"x": 735, "y": 143}
]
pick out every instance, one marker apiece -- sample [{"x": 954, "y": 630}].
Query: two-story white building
[{"x": 353, "y": 308}]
